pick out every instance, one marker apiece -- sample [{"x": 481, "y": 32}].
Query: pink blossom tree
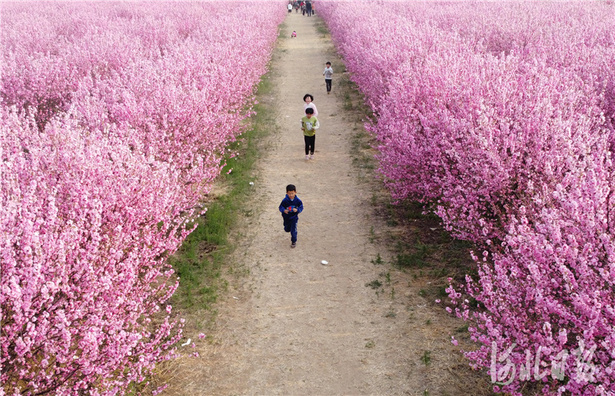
[
  {"x": 499, "y": 118},
  {"x": 114, "y": 121}
]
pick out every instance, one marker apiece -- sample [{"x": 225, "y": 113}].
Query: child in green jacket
[{"x": 309, "y": 125}]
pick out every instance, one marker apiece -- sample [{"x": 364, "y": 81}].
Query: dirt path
[{"x": 295, "y": 326}]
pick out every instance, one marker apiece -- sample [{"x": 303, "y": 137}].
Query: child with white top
[
  {"x": 309, "y": 102},
  {"x": 328, "y": 73}
]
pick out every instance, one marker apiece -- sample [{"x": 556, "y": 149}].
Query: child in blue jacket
[{"x": 290, "y": 208}]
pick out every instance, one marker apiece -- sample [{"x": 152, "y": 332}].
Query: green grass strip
[{"x": 200, "y": 260}]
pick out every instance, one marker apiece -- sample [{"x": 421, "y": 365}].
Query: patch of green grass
[
  {"x": 375, "y": 284},
  {"x": 426, "y": 358},
  {"x": 392, "y": 222},
  {"x": 390, "y": 314},
  {"x": 374, "y": 200},
  {"x": 410, "y": 260},
  {"x": 200, "y": 260},
  {"x": 321, "y": 28},
  {"x": 440, "y": 272},
  {"x": 348, "y": 105},
  {"x": 378, "y": 260},
  {"x": 372, "y": 235},
  {"x": 283, "y": 31}
]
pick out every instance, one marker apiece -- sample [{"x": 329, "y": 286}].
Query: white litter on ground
[{"x": 324, "y": 262}]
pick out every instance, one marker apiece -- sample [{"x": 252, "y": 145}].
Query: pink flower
[
  {"x": 512, "y": 149},
  {"x": 99, "y": 188}
]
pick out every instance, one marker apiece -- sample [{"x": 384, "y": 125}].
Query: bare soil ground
[{"x": 292, "y": 326}]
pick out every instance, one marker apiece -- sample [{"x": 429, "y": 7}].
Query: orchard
[
  {"x": 115, "y": 119},
  {"x": 498, "y": 117}
]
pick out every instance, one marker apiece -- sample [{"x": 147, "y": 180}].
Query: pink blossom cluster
[
  {"x": 114, "y": 121},
  {"x": 498, "y": 116}
]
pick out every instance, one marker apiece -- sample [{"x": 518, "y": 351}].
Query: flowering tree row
[
  {"x": 499, "y": 117},
  {"x": 114, "y": 120}
]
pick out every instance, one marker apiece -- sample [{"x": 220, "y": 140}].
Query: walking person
[
  {"x": 309, "y": 102},
  {"x": 309, "y": 125},
  {"x": 290, "y": 207},
  {"x": 308, "y": 8},
  {"x": 328, "y": 73}
]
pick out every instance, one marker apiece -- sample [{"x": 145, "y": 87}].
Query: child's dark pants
[
  {"x": 310, "y": 141},
  {"x": 290, "y": 225},
  {"x": 328, "y": 82}
]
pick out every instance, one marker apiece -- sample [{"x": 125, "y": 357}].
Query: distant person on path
[
  {"x": 290, "y": 208},
  {"x": 308, "y": 8},
  {"x": 303, "y": 8},
  {"x": 290, "y": 8},
  {"x": 309, "y": 125},
  {"x": 309, "y": 102},
  {"x": 328, "y": 73}
]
